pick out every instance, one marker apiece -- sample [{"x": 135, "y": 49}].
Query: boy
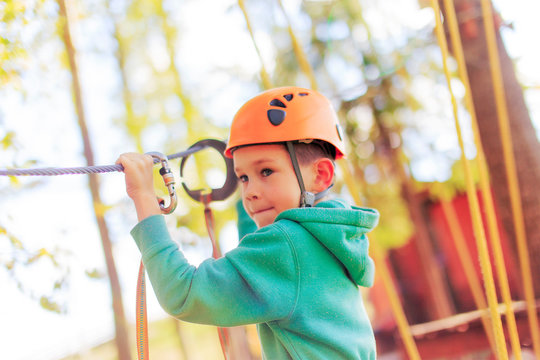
[{"x": 297, "y": 275}]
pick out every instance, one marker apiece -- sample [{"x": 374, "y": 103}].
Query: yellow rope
[
  {"x": 481, "y": 242},
  {"x": 511, "y": 173},
  {"x": 468, "y": 268},
  {"x": 487, "y": 197},
  {"x": 384, "y": 273},
  {"x": 267, "y": 83},
  {"x": 399, "y": 314},
  {"x": 299, "y": 52}
]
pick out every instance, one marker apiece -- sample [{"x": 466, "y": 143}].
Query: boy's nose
[{"x": 252, "y": 191}]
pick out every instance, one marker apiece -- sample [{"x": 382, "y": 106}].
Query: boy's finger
[
  {"x": 123, "y": 158},
  {"x": 119, "y": 160},
  {"x": 130, "y": 157}
]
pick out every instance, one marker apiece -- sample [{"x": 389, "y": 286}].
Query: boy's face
[{"x": 269, "y": 184}]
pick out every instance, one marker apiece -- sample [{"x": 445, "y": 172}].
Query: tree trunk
[
  {"x": 525, "y": 143},
  {"x": 122, "y": 342},
  {"x": 440, "y": 303}
]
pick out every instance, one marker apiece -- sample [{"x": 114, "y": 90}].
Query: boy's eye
[
  {"x": 266, "y": 172},
  {"x": 243, "y": 178}
]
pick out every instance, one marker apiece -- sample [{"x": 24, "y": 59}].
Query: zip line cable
[{"x": 82, "y": 170}]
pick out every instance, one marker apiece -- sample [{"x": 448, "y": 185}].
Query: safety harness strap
[
  {"x": 223, "y": 333},
  {"x": 307, "y": 199},
  {"x": 141, "y": 321}
]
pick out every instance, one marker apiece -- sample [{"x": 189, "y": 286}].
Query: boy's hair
[{"x": 307, "y": 153}]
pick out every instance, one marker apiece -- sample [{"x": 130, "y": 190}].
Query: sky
[{"x": 57, "y": 213}]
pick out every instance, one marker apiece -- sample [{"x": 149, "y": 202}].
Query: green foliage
[
  {"x": 95, "y": 274},
  {"x": 456, "y": 184},
  {"x": 164, "y": 86},
  {"x": 21, "y": 259},
  {"x": 16, "y": 16},
  {"x": 12, "y": 14},
  {"x": 49, "y": 304},
  {"x": 18, "y": 257},
  {"x": 8, "y": 140},
  {"x": 395, "y": 227}
]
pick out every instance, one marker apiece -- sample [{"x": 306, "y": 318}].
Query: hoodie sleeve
[{"x": 256, "y": 282}]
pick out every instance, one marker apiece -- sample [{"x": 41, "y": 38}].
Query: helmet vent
[
  {"x": 288, "y": 97},
  {"x": 277, "y": 102},
  {"x": 303, "y": 94},
  {"x": 276, "y": 116}
]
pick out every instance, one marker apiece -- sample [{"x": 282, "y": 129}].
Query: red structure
[{"x": 463, "y": 333}]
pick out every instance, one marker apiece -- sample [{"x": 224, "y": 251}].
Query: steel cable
[{"x": 94, "y": 169}]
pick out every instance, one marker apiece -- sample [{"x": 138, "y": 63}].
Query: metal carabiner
[{"x": 168, "y": 179}]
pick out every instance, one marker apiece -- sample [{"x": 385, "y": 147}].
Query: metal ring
[{"x": 230, "y": 182}]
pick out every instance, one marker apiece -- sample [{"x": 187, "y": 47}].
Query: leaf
[
  {"x": 10, "y": 264},
  {"x": 59, "y": 284},
  {"x": 49, "y": 304},
  {"x": 17, "y": 244},
  {"x": 95, "y": 274},
  {"x": 101, "y": 208},
  {"x": 42, "y": 252},
  {"x": 14, "y": 181},
  {"x": 7, "y": 140}
]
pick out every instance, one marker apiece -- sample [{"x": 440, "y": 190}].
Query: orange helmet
[{"x": 286, "y": 114}]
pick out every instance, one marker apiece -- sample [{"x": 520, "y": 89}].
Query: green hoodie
[{"x": 296, "y": 278}]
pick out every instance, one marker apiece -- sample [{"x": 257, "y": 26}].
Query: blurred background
[{"x": 83, "y": 81}]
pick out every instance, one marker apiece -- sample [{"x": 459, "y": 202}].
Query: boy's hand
[{"x": 140, "y": 183}]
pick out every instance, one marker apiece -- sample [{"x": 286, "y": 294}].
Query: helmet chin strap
[{"x": 307, "y": 199}]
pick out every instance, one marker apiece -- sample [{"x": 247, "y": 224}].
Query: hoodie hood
[{"x": 342, "y": 229}]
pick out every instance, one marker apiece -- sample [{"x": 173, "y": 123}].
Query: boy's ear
[{"x": 324, "y": 174}]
